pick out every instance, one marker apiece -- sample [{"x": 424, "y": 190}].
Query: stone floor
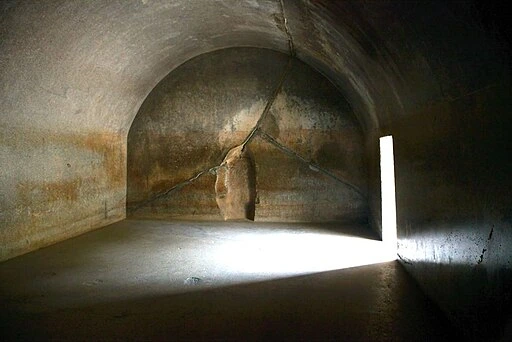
[{"x": 157, "y": 280}]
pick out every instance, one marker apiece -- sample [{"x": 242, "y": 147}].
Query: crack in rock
[
  {"x": 291, "y": 45},
  {"x": 405, "y": 260},
  {"x": 490, "y": 234},
  {"x": 211, "y": 170},
  {"x": 269, "y": 104},
  {"x": 314, "y": 167},
  {"x": 256, "y": 128},
  {"x": 481, "y": 258},
  {"x": 277, "y": 90}
]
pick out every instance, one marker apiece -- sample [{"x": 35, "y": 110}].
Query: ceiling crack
[
  {"x": 269, "y": 104},
  {"x": 277, "y": 90},
  {"x": 291, "y": 45}
]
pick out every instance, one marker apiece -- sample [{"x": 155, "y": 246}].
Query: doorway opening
[
  {"x": 311, "y": 207},
  {"x": 388, "y": 198}
]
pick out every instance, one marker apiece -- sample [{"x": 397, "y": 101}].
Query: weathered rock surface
[
  {"x": 235, "y": 187},
  {"x": 210, "y": 104}
]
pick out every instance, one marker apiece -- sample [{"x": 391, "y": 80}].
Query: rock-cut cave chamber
[{"x": 230, "y": 152}]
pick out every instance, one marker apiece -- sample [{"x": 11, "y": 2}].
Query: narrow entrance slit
[{"x": 387, "y": 177}]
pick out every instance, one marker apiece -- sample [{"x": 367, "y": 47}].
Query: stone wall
[{"x": 308, "y": 151}]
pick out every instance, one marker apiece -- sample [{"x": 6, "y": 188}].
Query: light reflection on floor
[
  {"x": 135, "y": 259},
  {"x": 156, "y": 280},
  {"x": 288, "y": 252}
]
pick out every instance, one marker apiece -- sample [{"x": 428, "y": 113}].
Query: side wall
[
  {"x": 58, "y": 185},
  {"x": 72, "y": 76},
  {"x": 453, "y": 162},
  {"x": 454, "y": 199}
]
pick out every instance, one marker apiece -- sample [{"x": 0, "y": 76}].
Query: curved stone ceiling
[{"x": 88, "y": 65}]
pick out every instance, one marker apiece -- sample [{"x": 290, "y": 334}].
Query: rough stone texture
[
  {"x": 428, "y": 73},
  {"x": 210, "y": 104},
  {"x": 76, "y": 179},
  {"x": 235, "y": 187},
  {"x": 290, "y": 190},
  {"x": 452, "y": 183},
  {"x": 459, "y": 231},
  {"x": 83, "y": 69}
]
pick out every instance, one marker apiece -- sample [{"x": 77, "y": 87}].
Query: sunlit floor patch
[
  {"x": 284, "y": 253},
  {"x": 136, "y": 259}
]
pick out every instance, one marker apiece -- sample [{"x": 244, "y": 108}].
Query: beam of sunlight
[
  {"x": 179, "y": 257},
  {"x": 286, "y": 253},
  {"x": 182, "y": 257},
  {"x": 387, "y": 174}
]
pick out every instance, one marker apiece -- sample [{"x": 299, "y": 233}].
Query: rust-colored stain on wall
[
  {"x": 111, "y": 147},
  {"x": 201, "y": 110},
  {"x": 80, "y": 187},
  {"x": 29, "y": 192}
]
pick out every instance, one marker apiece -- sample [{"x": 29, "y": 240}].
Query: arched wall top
[{"x": 88, "y": 65}]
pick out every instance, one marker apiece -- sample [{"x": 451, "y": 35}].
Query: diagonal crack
[
  {"x": 487, "y": 245},
  {"x": 269, "y": 104},
  {"x": 404, "y": 259},
  {"x": 277, "y": 90},
  {"x": 255, "y": 129},
  {"x": 265, "y": 136},
  {"x": 246, "y": 141},
  {"x": 174, "y": 188},
  {"x": 291, "y": 46}
]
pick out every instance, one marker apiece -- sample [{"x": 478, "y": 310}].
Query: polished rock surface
[{"x": 157, "y": 280}]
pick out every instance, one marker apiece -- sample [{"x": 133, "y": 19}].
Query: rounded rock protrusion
[{"x": 235, "y": 187}]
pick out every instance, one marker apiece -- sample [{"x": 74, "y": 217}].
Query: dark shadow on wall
[{"x": 453, "y": 190}]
